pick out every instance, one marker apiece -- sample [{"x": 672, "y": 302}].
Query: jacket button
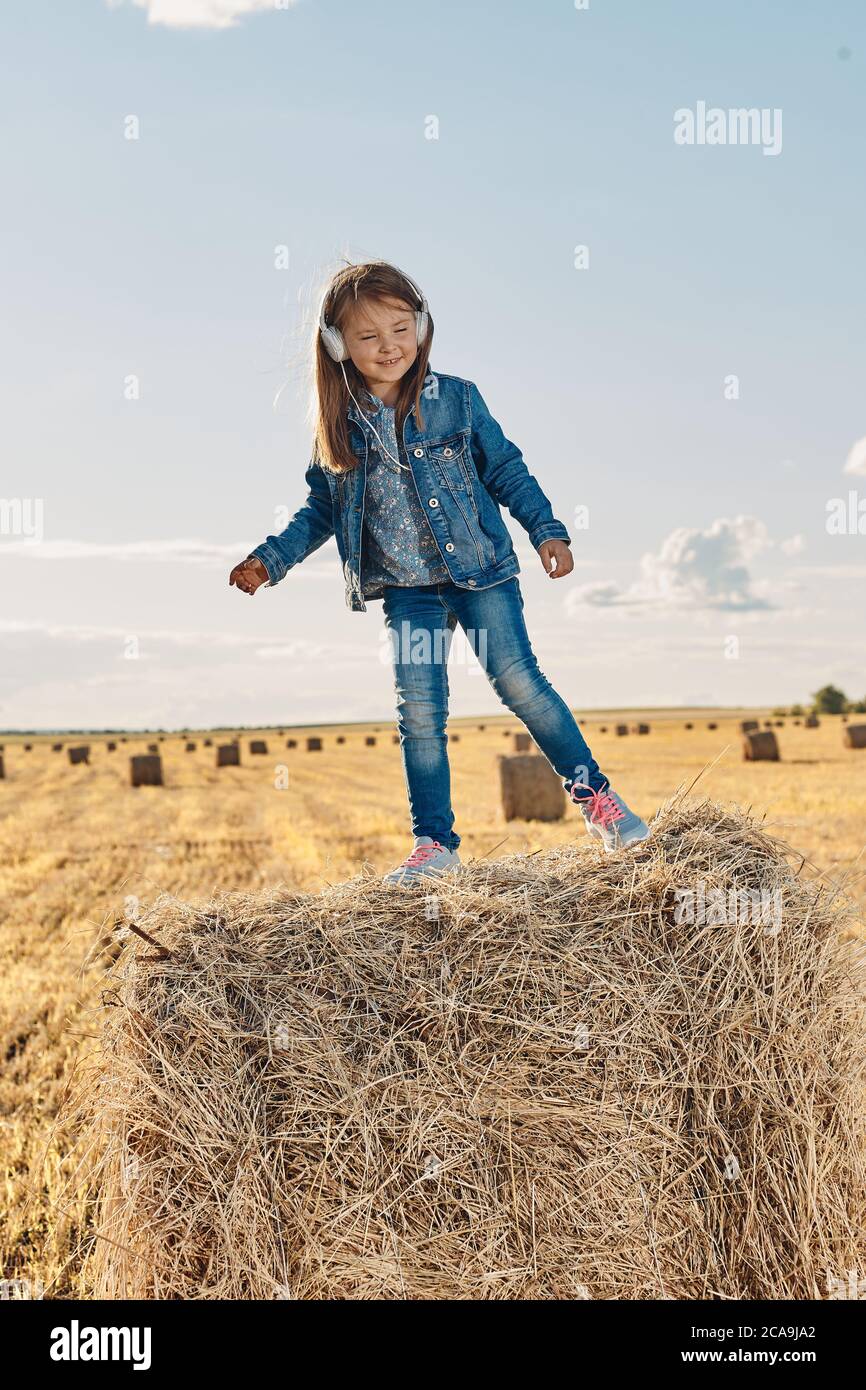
[
  {"x": 419, "y": 453},
  {"x": 449, "y": 546},
  {"x": 473, "y": 582},
  {"x": 448, "y": 452},
  {"x": 434, "y": 501}
]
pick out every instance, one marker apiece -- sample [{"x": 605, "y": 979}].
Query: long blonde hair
[{"x": 353, "y": 284}]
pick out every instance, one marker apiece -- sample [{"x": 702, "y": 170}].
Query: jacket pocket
[{"x": 452, "y": 463}]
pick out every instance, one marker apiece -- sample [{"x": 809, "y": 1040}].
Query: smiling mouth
[{"x": 390, "y": 362}]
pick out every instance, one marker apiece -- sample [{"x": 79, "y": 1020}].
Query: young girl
[{"x": 409, "y": 470}]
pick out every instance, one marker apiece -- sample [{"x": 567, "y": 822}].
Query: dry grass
[
  {"x": 74, "y": 842},
  {"x": 551, "y": 1088}
]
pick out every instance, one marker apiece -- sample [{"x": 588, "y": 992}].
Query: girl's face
[{"x": 381, "y": 340}]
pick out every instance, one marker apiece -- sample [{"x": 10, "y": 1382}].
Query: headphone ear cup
[
  {"x": 332, "y": 341},
  {"x": 422, "y": 318}
]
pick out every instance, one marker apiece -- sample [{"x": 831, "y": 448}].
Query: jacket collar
[{"x": 355, "y": 414}]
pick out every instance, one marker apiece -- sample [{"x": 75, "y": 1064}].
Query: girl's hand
[
  {"x": 249, "y": 575},
  {"x": 556, "y": 553}
]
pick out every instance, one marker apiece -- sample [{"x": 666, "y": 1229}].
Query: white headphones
[{"x": 334, "y": 343}]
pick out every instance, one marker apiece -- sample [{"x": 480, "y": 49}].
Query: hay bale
[
  {"x": 228, "y": 755},
  {"x": 811, "y": 721},
  {"x": 145, "y": 770},
  {"x": 712, "y": 726},
  {"x": 522, "y": 743},
  {"x": 258, "y": 745},
  {"x": 395, "y": 738},
  {"x": 111, "y": 747},
  {"x": 481, "y": 728},
  {"x": 854, "y": 736},
  {"x": 760, "y": 746},
  {"x": 640, "y": 729},
  {"x": 780, "y": 723},
  {"x": 530, "y": 788},
  {"x": 189, "y": 747},
  {"x": 80, "y": 754},
  {"x": 689, "y": 726},
  {"x": 796, "y": 721},
  {"x": 291, "y": 743},
  {"x": 57, "y": 747},
  {"x": 341, "y": 738},
  {"x": 621, "y": 730},
  {"x": 314, "y": 745},
  {"x": 747, "y": 726},
  {"x": 28, "y": 748},
  {"x": 369, "y": 741},
  {"x": 633, "y": 1107},
  {"x": 2, "y": 768},
  {"x": 603, "y": 729},
  {"x": 453, "y": 738},
  {"x": 207, "y": 743},
  {"x": 153, "y": 748}
]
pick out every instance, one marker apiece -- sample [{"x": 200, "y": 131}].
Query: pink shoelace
[
  {"x": 603, "y": 809},
  {"x": 421, "y": 854}
]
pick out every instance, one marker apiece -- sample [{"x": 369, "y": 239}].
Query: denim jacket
[{"x": 464, "y": 469}]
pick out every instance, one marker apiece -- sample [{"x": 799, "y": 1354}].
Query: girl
[{"x": 409, "y": 470}]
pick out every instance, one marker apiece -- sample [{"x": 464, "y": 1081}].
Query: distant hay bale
[
  {"x": 291, "y": 743},
  {"x": 189, "y": 747},
  {"x": 689, "y": 726},
  {"x": 621, "y": 730},
  {"x": 760, "y": 746},
  {"x": 258, "y": 745},
  {"x": 796, "y": 721},
  {"x": 28, "y": 748},
  {"x": 145, "y": 770},
  {"x": 854, "y": 736},
  {"x": 522, "y": 743},
  {"x": 228, "y": 755},
  {"x": 603, "y": 729},
  {"x": 712, "y": 726},
  {"x": 153, "y": 748},
  {"x": 81, "y": 754},
  {"x": 747, "y": 726},
  {"x": 370, "y": 741},
  {"x": 341, "y": 738},
  {"x": 811, "y": 721},
  {"x": 207, "y": 743},
  {"x": 481, "y": 728},
  {"x": 2, "y": 768},
  {"x": 640, "y": 729},
  {"x": 395, "y": 738},
  {"x": 844, "y": 719},
  {"x": 111, "y": 747},
  {"x": 453, "y": 738},
  {"x": 561, "y": 1086},
  {"x": 57, "y": 747},
  {"x": 780, "y": 723},
  {"x": 314, "y": 745},
  {"x": 530, "y": 788}
]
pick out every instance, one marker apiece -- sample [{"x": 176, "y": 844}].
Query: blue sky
[{"x": 304, "y": 127}]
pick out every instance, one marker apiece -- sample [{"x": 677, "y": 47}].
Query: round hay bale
[
  {"x": 854, "y": 736},
  {"x": 811, "y": 721},
  {"x": 258, "y": 745},
  {"x": 780, "y": 723},
  {"x": 689, "y": 726},
  {"x": 28, "y": 748},
  {"x": 522, "y": 743},
  {"x": 314, "y": 745},
  {"x": 395, "y": 738},
  {"x": 760, "y": 746},
  {"x": 291, "y": 743},
  {"x": 530, "y": 788},
  {"x": 768, "y": 723},
  {"x": 796, "y": 721},
  {"x": 207, "y": 743},
  {"x": 228, "y": 755},
  {"x": 621, "y": 730},
  {"x": 2, "y": 768},
  {"x": 453, "y": 738},
  {"x": 153, "y": 748},
  {"x": 747, "y": 726},
  {"x": 81, "y": 754},
  {"x": 111, "y": 747},
  {"x": 57, "y": 747},
  {"x": 641, "y": 729},
  {"x": 481, "y": 728},
  {"x": 712, "y": 726},
  {"x": 370, "y": 741},
  {"x": 190, "y": 747},
  {"x": 603, "y": 729},
  {"x": 145, "y": 770},
  {"x": 341, "y": 738},
  {"x": 635, "y": 1105}
]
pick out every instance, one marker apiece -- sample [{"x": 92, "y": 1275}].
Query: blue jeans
[{"x": 421, "y": 620}]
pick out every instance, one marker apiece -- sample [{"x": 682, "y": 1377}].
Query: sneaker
[
  {"x": 428, "y": 857},
  {"x": 607, "y": 817}
]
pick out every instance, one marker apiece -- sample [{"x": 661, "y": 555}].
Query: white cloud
[
  {"x": 694, "y": 569},
  {"x": 179, "y": 552},
  {"x": 201, "y": 14},
  {"x": 856, "y": 460}
]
